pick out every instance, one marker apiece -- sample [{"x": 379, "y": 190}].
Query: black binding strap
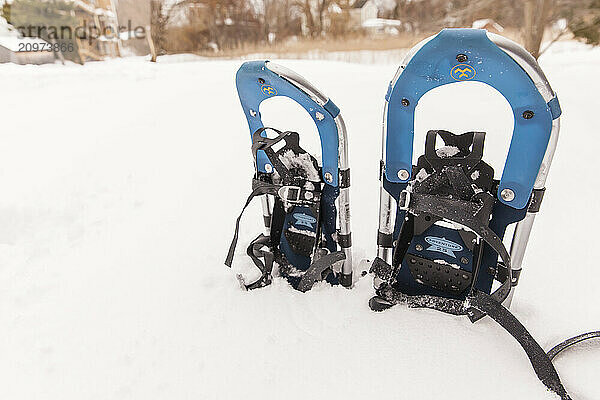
[
  {"x": 258, "y": 188},
  {"x": 255, "y": 252},
  {"x": 316, "y": 270},
  {"x": 540, "y": 361}
]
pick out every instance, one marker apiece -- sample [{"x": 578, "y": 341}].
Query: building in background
[
  {"x": 17, "y": 49},
  {"x": 134, "y": 15},
  {"x": 363, "y": 11},
  {"x": 83, "y": 30},
  {"x": 100, "y": 17},
  {"x": 381, "y": 26},
  {"x": 354, "y": 14}
]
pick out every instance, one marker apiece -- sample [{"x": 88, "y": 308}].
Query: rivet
[
  {"x": 464, "y": 260},
  {"x": 319, "y": 116},
  {"x": 528, "y": 114},
  {"x": 419, "y": 247},
  {"x": 403, "y": 175},
  {"x": 462, "y": 58},
  {"x": 507, "y": 195},
  {"x": 328, "y": 177},
  {"x": 268, "y": 168},
  {"x": 405, "y": 102},
  {"x": 253, "y": 113}
]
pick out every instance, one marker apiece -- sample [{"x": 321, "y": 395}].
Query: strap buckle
[
  {"x": 290, "y": 194},
  {"x": 404, "y": 200}
]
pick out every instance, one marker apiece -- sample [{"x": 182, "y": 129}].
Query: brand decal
[
  {"x": 304, "y": 220},
  {"x": 463, "y": 72},
  {"x": 268, "y": 90},
  {"x": 443, "y": 245}
]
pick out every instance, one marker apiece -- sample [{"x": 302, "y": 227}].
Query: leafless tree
[
  {"x": 281, "y": 17},
  {"x": 314, "y": 13},
  {"x": 537, "y": 16},
  {"x": 159, "y": 20}
]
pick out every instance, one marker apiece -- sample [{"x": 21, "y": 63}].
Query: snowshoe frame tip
[{"x": 261, "y": 80}]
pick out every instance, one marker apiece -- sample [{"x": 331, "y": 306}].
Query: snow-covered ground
[{"x": 121, "y": 182}]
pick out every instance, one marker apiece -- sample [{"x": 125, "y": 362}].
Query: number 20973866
[{"x": 49, "y": 47}]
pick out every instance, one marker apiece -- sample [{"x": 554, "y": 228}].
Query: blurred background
[{"x": 91, "y": 30}]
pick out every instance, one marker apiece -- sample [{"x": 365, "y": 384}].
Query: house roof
[{"x": 359, "y": 3}]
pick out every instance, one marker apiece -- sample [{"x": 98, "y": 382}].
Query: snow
[
  {"x": 302, "y": 231},
  {"x": 116, "y": 222},
  {"x": 302, "y": 162},
  {"x": 447, "y": 151}
]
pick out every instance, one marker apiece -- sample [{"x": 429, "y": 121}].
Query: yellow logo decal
[
  {"x": 463, "y": 72},
  {"x": 268, "y": 90}
]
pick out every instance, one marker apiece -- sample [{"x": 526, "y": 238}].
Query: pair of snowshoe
[{"x": 442, "y": 222}]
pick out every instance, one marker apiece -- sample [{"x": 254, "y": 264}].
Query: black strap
[
  {"x": 259, "y": 188},
  {"x": 449, "y": 306},
  {"x": 255, "y": 252},
  {"x": 315, "y": 272},
  {"x": 541, "y": 362}
]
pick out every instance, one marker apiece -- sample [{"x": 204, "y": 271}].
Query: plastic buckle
[
  {"x": 404, "y": 200},
  {"x": 284, "y": 193}
]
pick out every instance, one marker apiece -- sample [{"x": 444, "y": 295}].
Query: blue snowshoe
[
  {"x": 443, "y": 220},
  {"x": 301, "y": 199}
]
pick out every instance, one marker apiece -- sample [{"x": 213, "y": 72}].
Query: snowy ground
[{"x": 121, "y": 182}]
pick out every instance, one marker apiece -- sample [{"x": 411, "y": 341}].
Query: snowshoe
[
  {"x": 442, "y": 221},
  {"x": 301, "y": 199}
]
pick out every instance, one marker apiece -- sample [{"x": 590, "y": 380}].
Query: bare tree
[
  {"x": 281, "y": 17},
  {"x": 314, "y": 13},
  {"x": 537, "y": 16},
  {"x": 159, "y": 20}
]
